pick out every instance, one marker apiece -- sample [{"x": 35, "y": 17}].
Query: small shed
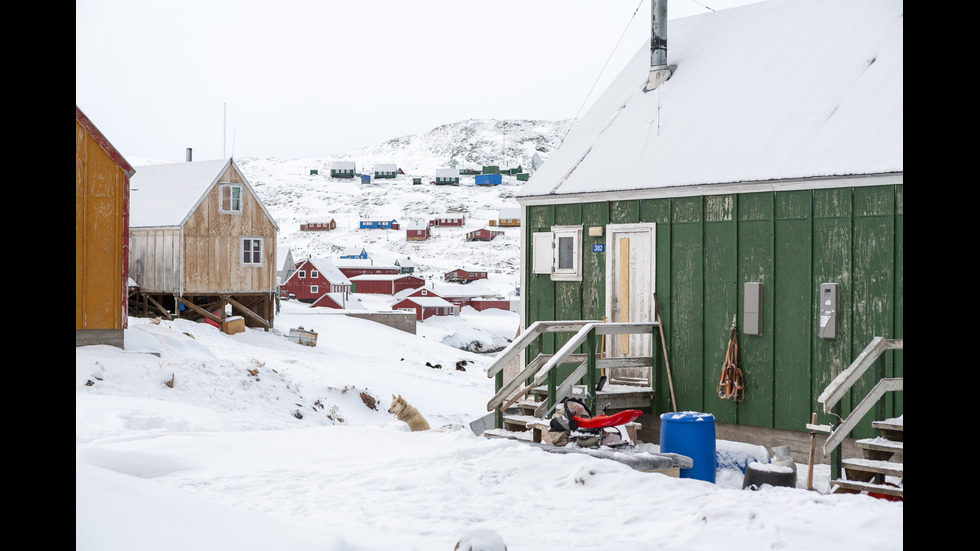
[
  {"x": 447, "y": 176},
  {"x": 342, "y": 169},
  {"x": 365, "y": 178},
  {"x": 102, "y": 179},
  {"x": 488, "y": 179},
  {"x": 491, "y": 169},
  {"x": 465, "y": 275},
  {"x": 385, "y": 171},
  {"x": 482, "y": 234},
  {"x": 418, "y": 234}
]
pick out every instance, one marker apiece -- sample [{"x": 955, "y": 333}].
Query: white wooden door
[{"x": 630, "y": 283}]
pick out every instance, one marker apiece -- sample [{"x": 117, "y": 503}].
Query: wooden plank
[
  {"x": 721, "y": 297},
  {"x": 790, "y": 306},
  {"x": 623, "y": 253}
]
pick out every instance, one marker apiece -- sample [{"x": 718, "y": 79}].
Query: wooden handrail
[
  {"x": 838, "y": 388},
  {"x": 841, "y": 384},
  {"x": 540, "y": 371}
]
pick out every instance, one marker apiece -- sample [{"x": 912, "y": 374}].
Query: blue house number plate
[{"x": 599, "y": 248}]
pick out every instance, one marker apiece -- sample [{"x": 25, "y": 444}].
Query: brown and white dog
[{"x": 407, "y": 413}]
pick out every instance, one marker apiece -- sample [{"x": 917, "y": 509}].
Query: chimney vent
[
  {"x": 189, "y": 154},
  {"x": 659, "y": 72}
]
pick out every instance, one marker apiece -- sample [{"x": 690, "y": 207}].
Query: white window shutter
[{"x": 542, "y": 253}]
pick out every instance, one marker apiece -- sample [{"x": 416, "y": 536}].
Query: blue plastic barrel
[{"x": 692, "y": 434}]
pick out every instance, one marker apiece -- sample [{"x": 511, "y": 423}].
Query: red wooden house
[
  {"x": 463, "y": 275},
  {"x": 482, "y": 234},
  {"x": 385, "y": 284},
  {"x": 314, "y": 278},
  {"x": 449, "y": 220},
  {"x": 426, "y": 306},
  {"x": 319, "y": 225}
]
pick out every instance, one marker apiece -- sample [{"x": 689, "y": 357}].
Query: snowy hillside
[
  {"x": 466, "y": 144},
  {"x": 294, "y": 195}
]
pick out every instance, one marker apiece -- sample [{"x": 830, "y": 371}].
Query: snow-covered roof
[
  {"x": 430, "y": 302},
  {"x": 447, "y": 173},
  {"x": 783, "y": 89},
  {"x": 509, "y": 213},
  {"x": 329, "y": 270},
  {"x": 165, "y": 194},
  {"x": 456, "y": 290},
  {"x": 342, "y": 165},
  {"x": 381, "y": 277},
  {"x": 385, "y": 168},
  {"x": 405, "y": 262}
]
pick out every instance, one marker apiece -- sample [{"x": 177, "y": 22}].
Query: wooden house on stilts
[{"x": 202, "y": 241}]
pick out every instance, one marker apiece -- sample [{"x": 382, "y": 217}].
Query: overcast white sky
[{"x": 311, "y": 78}]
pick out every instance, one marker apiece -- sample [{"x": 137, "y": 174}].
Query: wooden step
[
  {"x": 856, "y": 487},
  {"x": 865, "y": 470},
  {"x": 891, "y": 429},
  {"x": 532, "y": 407},
  {"x": 518, "y": 422},
  {"x": 880, "y": 448}
]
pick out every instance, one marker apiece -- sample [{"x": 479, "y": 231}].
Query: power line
[{"x": 601, "y": 71}]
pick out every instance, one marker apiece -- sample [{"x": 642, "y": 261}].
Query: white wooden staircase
[{"x": 880, "y": 470}]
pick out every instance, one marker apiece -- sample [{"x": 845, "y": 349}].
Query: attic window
[{"x": 231, "y": 198}]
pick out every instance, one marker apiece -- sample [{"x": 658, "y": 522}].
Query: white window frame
[
  {"x": 301, "y": 274},
  {"x": 314, "y": 274},
  {"x": 546, "y": 253},
  {"x": 226, "y": 191},
  {"x": 248, "y": 241},
  {"x": 314, "y": 289}
]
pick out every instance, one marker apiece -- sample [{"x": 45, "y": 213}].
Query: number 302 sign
[{"x": 599, "y": 247}]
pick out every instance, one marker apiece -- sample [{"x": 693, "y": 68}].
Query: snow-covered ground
[{"x": 190, "y": 439}]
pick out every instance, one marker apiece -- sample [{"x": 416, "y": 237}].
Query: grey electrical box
[
  {"x": 828, "y": 320},
  {"x": 752, "y": 315}
]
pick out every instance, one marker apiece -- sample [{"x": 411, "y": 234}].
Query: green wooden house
[
  {"x": 342, "y": 169},
  {"x": 763, "y": 177},
  {"x": 385, "y": 171}
]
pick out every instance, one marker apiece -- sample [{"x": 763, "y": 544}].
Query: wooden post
[
  {"x": 590, "y": 380},
  {"x": 498, "y": 414},
  {"x": 813, "y": 444}
]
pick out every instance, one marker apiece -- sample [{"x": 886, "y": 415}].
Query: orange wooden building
[{"x": 101, "y": 236}]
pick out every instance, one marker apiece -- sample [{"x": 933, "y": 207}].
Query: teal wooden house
[{"x": 758, "y": 182}]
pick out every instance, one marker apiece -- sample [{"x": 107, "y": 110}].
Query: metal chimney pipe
[
  {"x": 659, "y": 72},
  {"x": 188, "y": 154},
  {"x": 658, "y": 34}
]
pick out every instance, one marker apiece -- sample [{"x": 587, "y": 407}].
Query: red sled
[{"x": 603, "y": 421}]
